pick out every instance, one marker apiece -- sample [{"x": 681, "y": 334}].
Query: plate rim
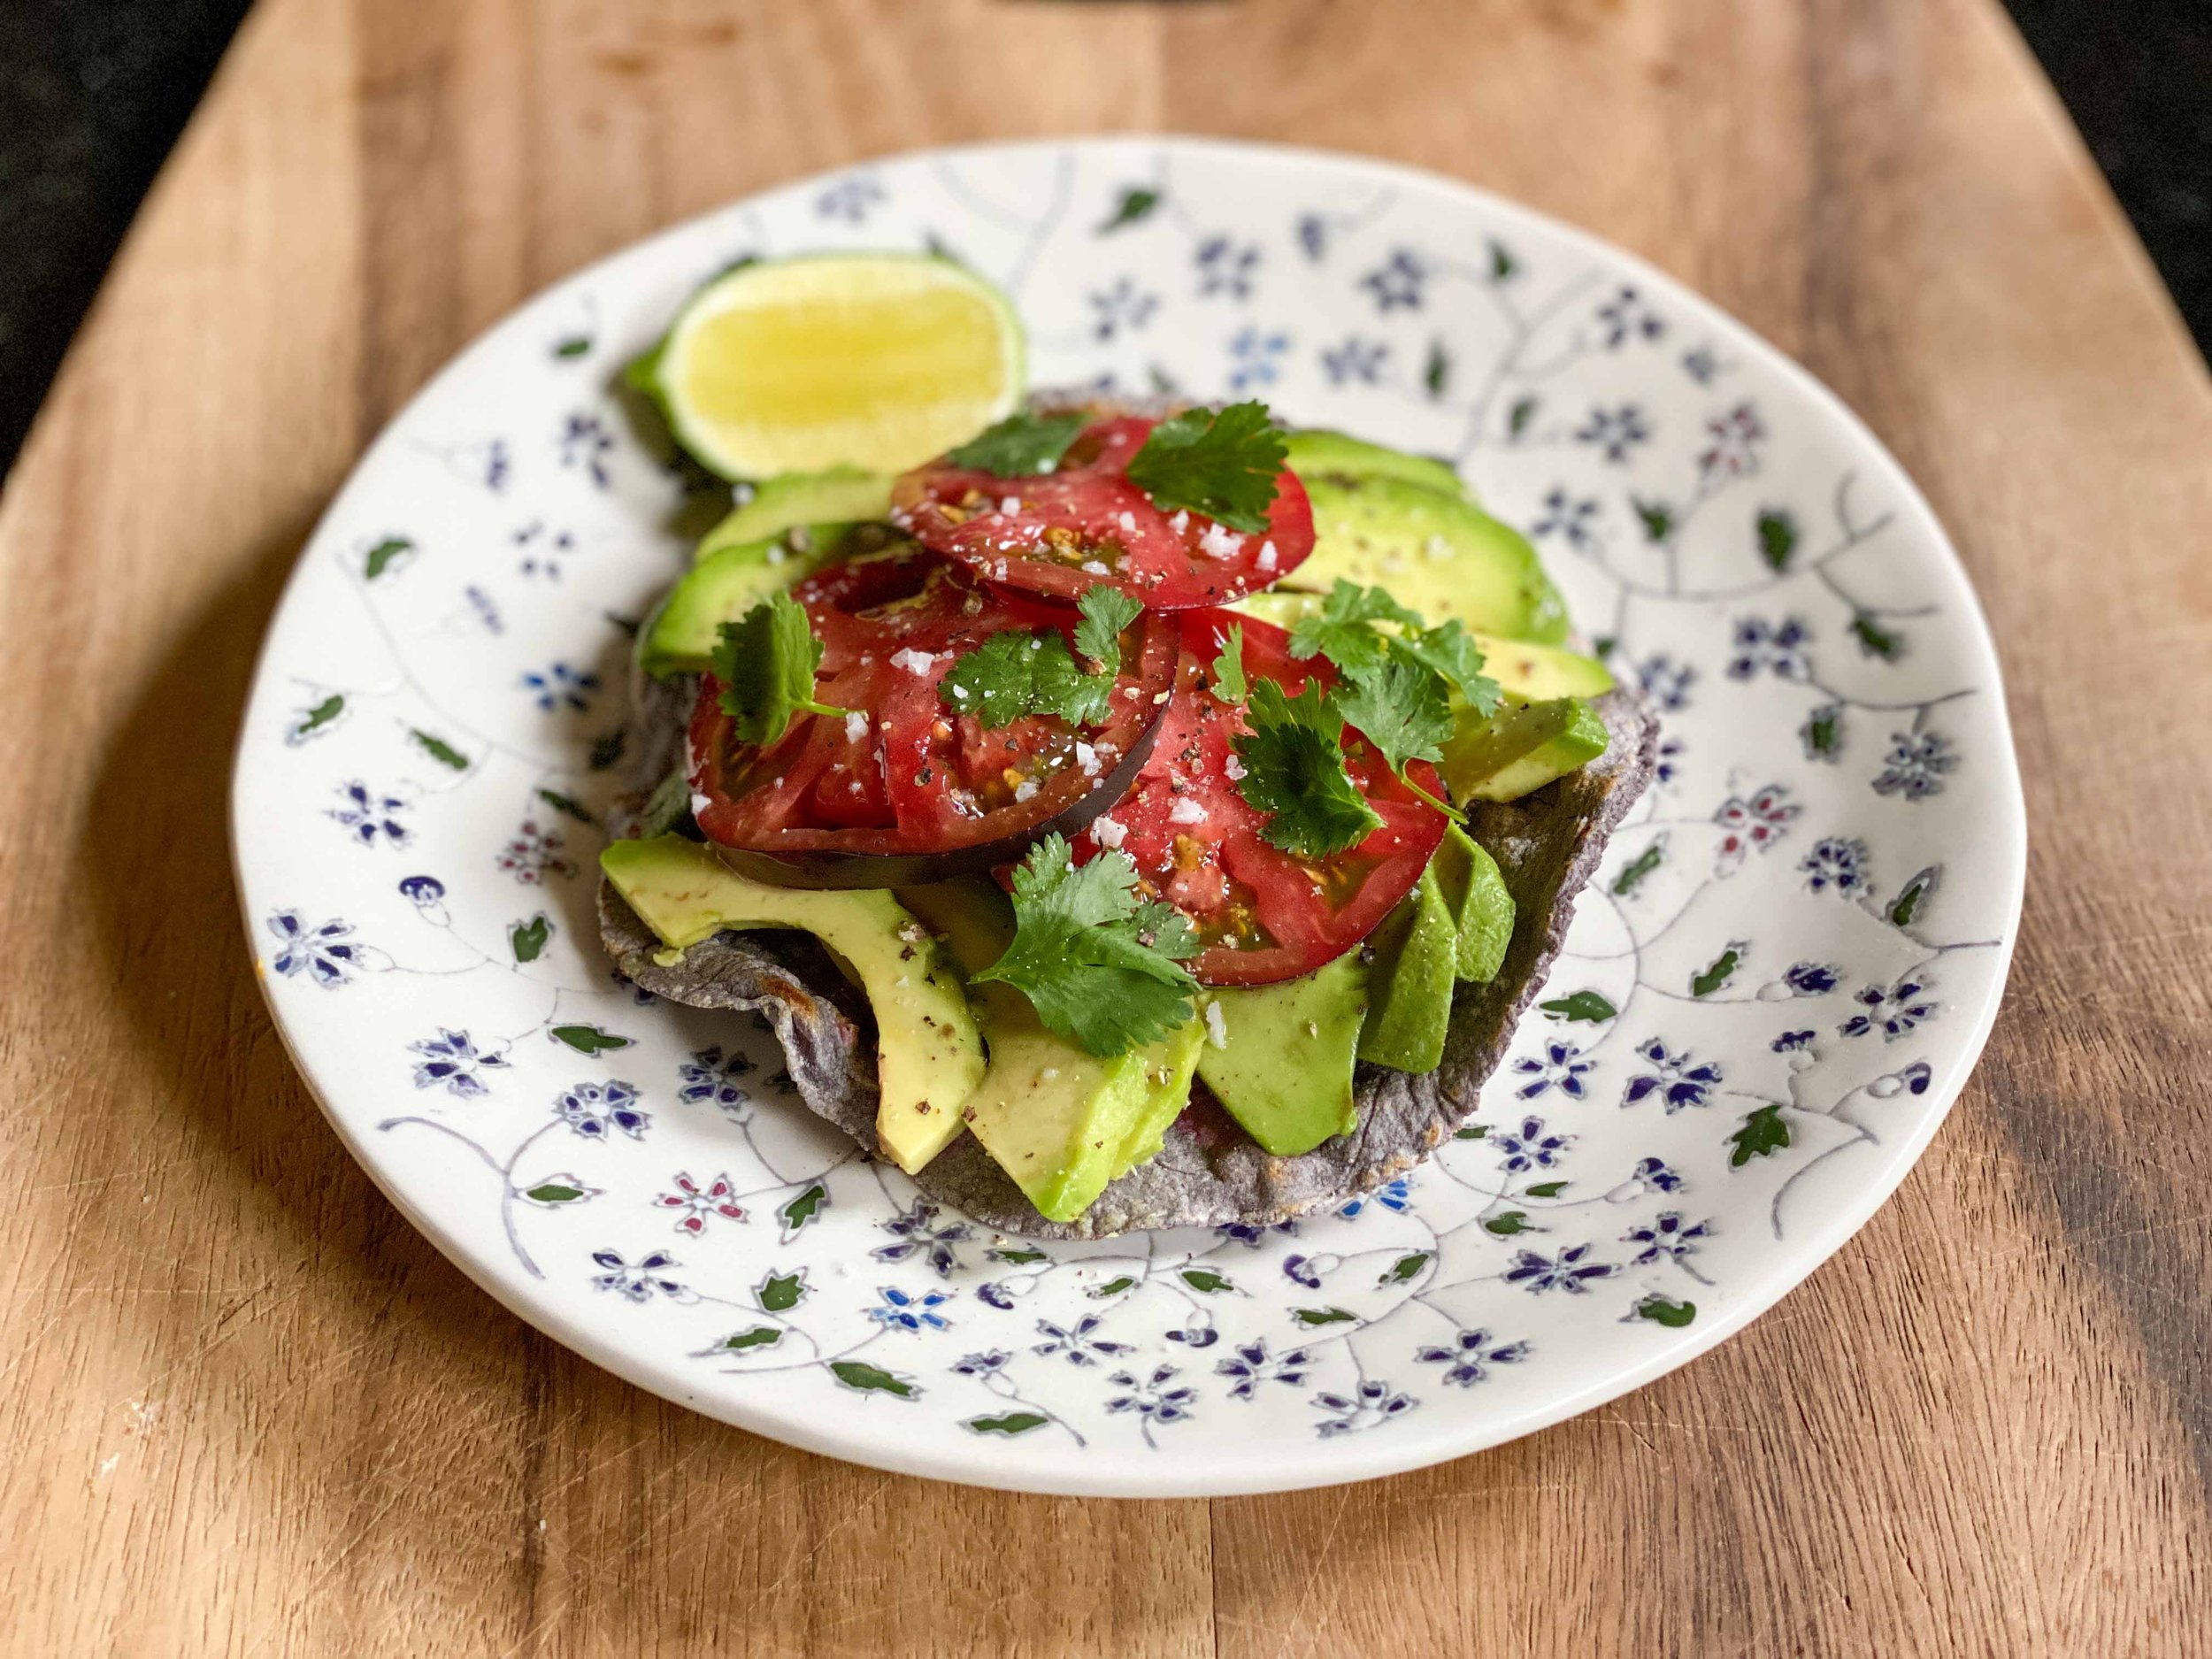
[{"x": 1199, "y": 1472}]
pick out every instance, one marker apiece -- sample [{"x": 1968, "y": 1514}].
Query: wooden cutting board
[{"x": 244, "y": 1407}]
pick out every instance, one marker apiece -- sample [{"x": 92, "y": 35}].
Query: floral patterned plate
[{"x": 1772, "y": 994}]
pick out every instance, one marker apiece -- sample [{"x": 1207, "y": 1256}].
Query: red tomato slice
[
  {"x": 1263, "y": 915},
  {"x": 902, "y": 791},
  {"x": 1062, "y": 533}
]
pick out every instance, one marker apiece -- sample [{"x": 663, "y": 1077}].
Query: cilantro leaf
[
  {"x": 1106, "y": 613},
  {"x": 1230, "y": 684},
  {"x": 1449, "y": 650},
  {"x": 765, "y": 661},
  {"x": 1223, "y": 465},
  {"x": 1098, "y": 965},
  {"x": 1294, "y": 769},
  {"x": 1341, "y": 633},
  {"x": 1400, "y": 707},
  {"x": 1019, "y": 446},
  {"x": 1009, "y": 675}
]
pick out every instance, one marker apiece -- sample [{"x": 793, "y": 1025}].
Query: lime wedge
[{"x": 874, "y": 360}]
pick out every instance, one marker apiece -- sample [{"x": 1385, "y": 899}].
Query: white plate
[{"x": 1802, "y": 933}]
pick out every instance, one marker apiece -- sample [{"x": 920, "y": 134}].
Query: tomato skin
[
  {"x": 903, "y": 791},
  {"x": 1265, "y": 915},
  {"x": 1084, "y": 524}
]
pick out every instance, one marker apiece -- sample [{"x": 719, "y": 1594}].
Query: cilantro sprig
[
  {"x": 765, "y": 661},
  {"x": 1400, "y": 707},
  {"x": 1223, "y": 465},
  {"x": 1294, "y": 772},
  {"x": 1345, "y": 633},
  {"x": 1009, "y": 675},
  {"x": 1106, "y": 612},
  {"x": 1012, "y": 674},
  {"x": 1019, "y": 446},
  {"x": 1397, "y": 686},
  {"x": 1342, "y": 631},
  {"x": 1100, "y": 965},
  {"x": 1230, "y": 684}
]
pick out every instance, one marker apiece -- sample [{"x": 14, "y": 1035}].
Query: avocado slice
[
  {"x": 678, "y": 636},
  {"x": 1280, "y": 1058},
  {"x": 1415, "y": 965},
  {"x": 1316, "y": 452},
  {"x": 1530, "y": 672},
  {"x": 929, "y": 1053},
  {"x": 1523, "y": 745},
  {"x": 1476, "y": 897},
  {"x": 1442, "y": 556},
  {"x": 1063, "y": 1123},
  {"x": 841, "y": 495},
  {"x": 1523, "y": 670}
]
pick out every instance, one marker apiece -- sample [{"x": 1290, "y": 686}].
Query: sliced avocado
[
  {"x": 1530, "y": 672},
  {"x": 1063, "y": 1123},
  {"x": 1523, "y": 670},
  {"x": 1315, "y": 453},
  {"x": 1283, "y": 1065},
  {"x": 1175, "y": 1059},
  {"x": 1475, "y": 896},
  {"x": 1523, "y": 745},
  {"x": 841, "y": 495},
  {"x": 678, "y": 637},
  {"x": 929, "y": 1053},
  {"x": 1415, "y": 964},
  {"x": 1440, "y": 555}
]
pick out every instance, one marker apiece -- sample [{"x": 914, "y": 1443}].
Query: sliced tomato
[
  {"x": 902, "y": 791},
  {"x": 1062, "y": 533},
  {"x": 1263, "y": 915}
]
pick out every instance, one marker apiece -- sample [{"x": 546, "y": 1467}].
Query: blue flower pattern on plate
[
  {"x": 1562, "y": 1067},
  {"x": 1673, "y": 1077},
  {"x": 1374, "y": 1402},
  {"x": 370, "y": 815},
  {"x": 1892, "y": 1009},
  {"x": 451, "y": 1060},
  {"x": 896, "y": 1309},
  {"x": 1468, "y": 1357},
  {"x": 326, "y": 953},
  {"x": 592, "y": 1109}
]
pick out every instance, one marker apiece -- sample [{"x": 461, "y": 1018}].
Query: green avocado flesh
[
  {"x": 1415, "y": 965},
  {"x": 1522, "y": 747},
  {"x": 841, "y": 495},
  {"x": 1283, "y": 1065},
  {"x": 1438, "y": 554},
  {"x": 680, "y": 636},
  {"x": 1318, "y": 453},
  {"x": 1060, "y": 1122},
  {"x": 1475, "y": 898},
  {"x": 929, "y": 1053},
  {"x": 1523, "y": 670},
  {"x": 1530, "y": 672}
]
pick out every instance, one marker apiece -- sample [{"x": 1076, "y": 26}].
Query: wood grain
[{"x": 244, "y": 1408}]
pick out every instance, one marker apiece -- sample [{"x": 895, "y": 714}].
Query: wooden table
[{"x": 247, "y": 1408}]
